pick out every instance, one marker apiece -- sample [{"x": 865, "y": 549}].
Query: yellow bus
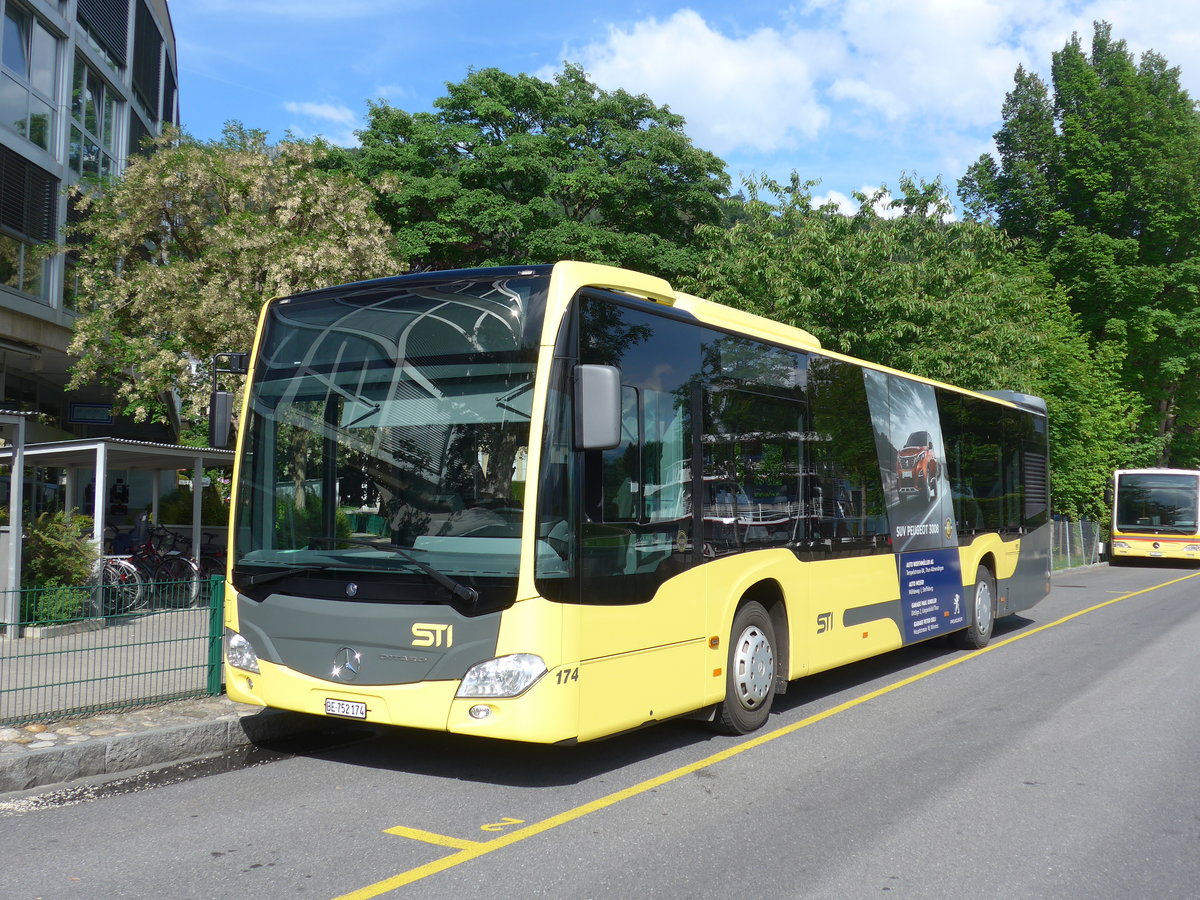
[
  {"x": 557, "y": 502},
  {"x": 1155, "y": 514}
]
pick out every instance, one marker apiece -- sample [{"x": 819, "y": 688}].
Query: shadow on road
[{"x": 466, "y": 758}]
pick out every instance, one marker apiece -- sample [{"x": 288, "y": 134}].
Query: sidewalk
[{"x": 33, "y": 756}]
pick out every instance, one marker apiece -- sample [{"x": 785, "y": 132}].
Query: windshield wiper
[
  {"x": 277, "y": 573},
  {"x": 462, "y": 591}
]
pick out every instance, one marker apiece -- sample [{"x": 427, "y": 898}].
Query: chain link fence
[{"x": 1076, "y": 543}]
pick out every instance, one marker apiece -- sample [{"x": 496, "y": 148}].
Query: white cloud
[
  {"x": 756, "y": 91},
  {"x": 844, "y": 203},
  {"x": 932, "y": 72},
  {"x": 327, "y": 112},
  {"x": 393, "y": 93},
  {"x": 848, "y": 205},
  {"x": 343, "y": 120}
]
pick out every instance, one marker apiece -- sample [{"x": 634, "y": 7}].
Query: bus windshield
[
  {"x": 1157, "y": 503},
  {"x": 388, "y": 433}
]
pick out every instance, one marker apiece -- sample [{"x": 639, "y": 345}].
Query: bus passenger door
[{"x": 641, "y": 601}]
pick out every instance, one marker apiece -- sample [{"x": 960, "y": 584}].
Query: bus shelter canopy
[{"x": 106, "y": 454}]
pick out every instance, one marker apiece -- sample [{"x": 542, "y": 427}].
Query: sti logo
[
  {"x": 427, "y": 634},
  {"x": 824, "y": 622}
]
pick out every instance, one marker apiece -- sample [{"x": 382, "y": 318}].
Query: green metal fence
[{"x": 71, "y": 654}]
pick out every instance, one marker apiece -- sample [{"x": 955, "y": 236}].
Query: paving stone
[{"x": 48, "y": 753}]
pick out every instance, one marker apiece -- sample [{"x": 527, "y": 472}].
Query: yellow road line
[
  {"x": 429, "y": 837},
  {"x": 474, "y": 850}
]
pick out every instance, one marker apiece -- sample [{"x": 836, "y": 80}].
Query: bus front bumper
[
  {"x": 1154, "y": 548},
  {"x": 545, "y": 713}
]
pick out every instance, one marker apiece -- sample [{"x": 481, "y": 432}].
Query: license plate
[
  {"x": 1156, "y": 553},
  {"x": 346, "y": 708}
]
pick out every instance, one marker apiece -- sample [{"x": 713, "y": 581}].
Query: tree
[
  {"x": 954, "y": 301},
  {"x": 1103, "y": 180},
  {"x": 176, "y": 257},
  {"x": 511, "y": 169}
]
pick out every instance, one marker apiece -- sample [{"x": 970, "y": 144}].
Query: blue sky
[{"x": 852, "y": 93}]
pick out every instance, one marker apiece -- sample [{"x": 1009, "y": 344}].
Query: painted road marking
[
  {"x": 429, "y": 837},
  {"x": 469, "y": 850},
  {"x": 502, "y": 824}
]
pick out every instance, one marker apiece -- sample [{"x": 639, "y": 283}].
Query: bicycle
[
  {"x": 121, "y": 586},
  {"x": 171, "y": 580},
  {"x": 177, "y": 574},
  {"x": 211, "y": 558}
]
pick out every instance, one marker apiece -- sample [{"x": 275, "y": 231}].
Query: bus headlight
[
  {"x": 505, "y": 676},
  {"x": 240, "y": 652},
  {"x": 1120, "y": 545},
  {"x": 1191, "y": 548}
]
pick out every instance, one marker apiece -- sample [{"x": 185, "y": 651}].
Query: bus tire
[
  {"x": 749, "y": 672},
  {"x": 981, "y": 613}
]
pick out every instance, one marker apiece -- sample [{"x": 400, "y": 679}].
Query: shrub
[
  {"x": 294, "y": 527},
  {"x": 175, "y": 508},
  {"x": 59, "y": 550},
  {"x": 58, "y": 557},
  {"x": 55, "y": 603}
]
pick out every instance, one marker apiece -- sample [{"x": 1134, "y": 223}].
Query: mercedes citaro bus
[
  {"x": 1155, "y": 514},
  {"x": 552, "y": 503}
]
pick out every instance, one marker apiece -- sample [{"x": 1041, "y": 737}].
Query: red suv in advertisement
[{"x": 917, "y": 467}]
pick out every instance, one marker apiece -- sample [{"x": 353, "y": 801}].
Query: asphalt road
[{"x": 1055, "y": 764}]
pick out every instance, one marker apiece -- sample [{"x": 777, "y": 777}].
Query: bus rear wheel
[
  {"x": 749, "y": 672},
  {"x": 981, "y": 613}
]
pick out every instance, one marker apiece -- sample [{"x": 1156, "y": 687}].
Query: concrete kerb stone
[{"x": 111, "y": 754}]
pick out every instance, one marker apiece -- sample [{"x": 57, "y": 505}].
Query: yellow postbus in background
[
  {"x": 1155, "y": 514},
  {"x": 556, "y": 502}
]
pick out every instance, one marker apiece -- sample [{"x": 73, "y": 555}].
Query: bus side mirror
[
  {"x": 220, "y": 406},
  {"x": 1108, "y": 495},
  {"x": 220, "y": 419},
  {"x": 597, "y": 407}
]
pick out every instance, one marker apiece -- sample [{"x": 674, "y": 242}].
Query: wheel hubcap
[
  {"x": 753, "y": 667},
  {"x": 983, "y": 607}
]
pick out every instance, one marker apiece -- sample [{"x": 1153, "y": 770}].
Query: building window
[
  {"x": 28, "y": 205},
  {"x": 94, "y": 111},
  {"x": 27, "y": 87},
  {"x": 106, "y": 24},
  {"x": 19, "y": 267},
  {"x": 147, "y": 61}
]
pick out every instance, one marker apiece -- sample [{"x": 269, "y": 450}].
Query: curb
[{"x": 155, "y": 746}]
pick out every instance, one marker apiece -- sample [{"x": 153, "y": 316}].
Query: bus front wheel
[
  {"x": 749, "y": 672},
  {"x": 981, "y": 613}
]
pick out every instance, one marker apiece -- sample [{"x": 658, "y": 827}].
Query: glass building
[{"x": 82, "y": 83}]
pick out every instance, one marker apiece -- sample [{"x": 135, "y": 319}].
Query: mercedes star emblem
[{"x": 346, "y": 663}]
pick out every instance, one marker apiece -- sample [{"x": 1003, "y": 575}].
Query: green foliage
[
  {"x": 178, "y": 255},
  {"x": 58, "y": 557},
  {"x": 296, "y": 523},
  {"x": 953, "y": 301},
  {"x": 1102, "y": 180},
  {"x": 55, "y": 604},
  {"x": 175, "y": 508},
  {"x": 513, "y": 169}
]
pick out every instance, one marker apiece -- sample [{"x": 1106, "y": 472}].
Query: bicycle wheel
[
  {"x": 178, "y": 581},
  {"x": 212, "y": 565},
  {"x": 121, "y": 587}
]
